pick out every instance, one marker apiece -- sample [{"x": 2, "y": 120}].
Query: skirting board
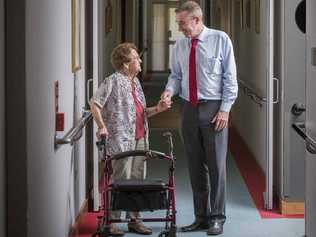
[
  {"x": 75, "y": 228},
  {"x": 292, "y": 208}
]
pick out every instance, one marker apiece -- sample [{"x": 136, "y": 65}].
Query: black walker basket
[{"x": 138, "y": 195}]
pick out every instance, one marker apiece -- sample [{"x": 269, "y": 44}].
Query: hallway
[
  {"x": 243, "y": 217},
  {"x": 55, "y": 53}
]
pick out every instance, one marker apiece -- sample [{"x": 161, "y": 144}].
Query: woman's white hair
[{"x": 191, "y": 7}]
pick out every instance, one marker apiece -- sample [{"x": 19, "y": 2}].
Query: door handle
[
  {"x": 88, "y": 90},
  {"x": 277, "y": 82},
  {"x": 298, "y": 109},
  {"x": 310, "y": 143}
]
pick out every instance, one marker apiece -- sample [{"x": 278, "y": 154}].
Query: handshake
[{"x": 165, "y": 101}]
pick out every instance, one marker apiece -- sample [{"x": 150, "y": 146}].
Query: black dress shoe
[
  {"x": 196, "y": 225},
  {"x": 216, "y": 228}
]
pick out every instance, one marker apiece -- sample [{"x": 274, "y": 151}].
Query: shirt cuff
[
  {"x": 225, "y": 107},
  {"x": 170, "y": 89}
]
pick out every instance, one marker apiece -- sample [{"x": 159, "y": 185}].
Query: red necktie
[{"x": 192, "y": 73}]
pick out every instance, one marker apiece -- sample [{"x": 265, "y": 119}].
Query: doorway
[{"x": 162, "y": 34}]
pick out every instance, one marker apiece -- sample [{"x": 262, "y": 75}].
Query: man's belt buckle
[{"x": 202, "y": 101}]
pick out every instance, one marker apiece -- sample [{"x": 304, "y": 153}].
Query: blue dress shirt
[{"x": 215, "y": 68}]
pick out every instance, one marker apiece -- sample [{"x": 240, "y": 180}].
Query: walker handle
[
  {"x": 101, "y": 143},
  {"x": 134, "y": 153},
  {"x": 169, "y": 137}
]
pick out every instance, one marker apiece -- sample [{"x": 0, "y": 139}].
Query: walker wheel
[
  {"x": 164, "y": 233},
  {"x": 172, "y": 232},
  {"x": 103, "y": 231}
]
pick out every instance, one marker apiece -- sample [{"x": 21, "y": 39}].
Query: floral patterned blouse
[{"x": 114, "y": 97}]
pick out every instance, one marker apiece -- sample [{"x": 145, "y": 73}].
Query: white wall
[
  {"x": 251, "y": 69},
  {"x": 55, "y": 192},
  {"x": 2, "y": 126}
]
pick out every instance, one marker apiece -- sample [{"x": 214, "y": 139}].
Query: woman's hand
[
  {"x": 166, "y": 96},
  {"x": 160, "y": 107},
  {"x": 103, "y": 131},
  {"x": 163, "y": 105}
]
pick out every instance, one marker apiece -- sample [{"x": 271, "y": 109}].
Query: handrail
[
  {"x": 75, "y": 133},
  {"x": 310, "y": 143},
  {"x": 251, "y": 93}
]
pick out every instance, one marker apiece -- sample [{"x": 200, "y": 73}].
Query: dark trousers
[{"x": 206, "y": 151}]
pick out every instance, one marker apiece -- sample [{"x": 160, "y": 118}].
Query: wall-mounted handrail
[
  {"x": 75, "y": 133},
  {"x": 310, "y": 143},
  {"x": 251, "y": 93}
]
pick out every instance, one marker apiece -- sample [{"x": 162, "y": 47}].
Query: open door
[
  {"x": 256, "y": 80},
  {"x": 163, "y": 33},
  {"x": 310, "y": 193},
  {"x": 96, "y": 49},
  {"x": 268, "y": 195},
  {"x": 308, "y": 130}
]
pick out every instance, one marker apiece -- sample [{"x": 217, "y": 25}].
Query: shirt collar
[{"x": 202, "y": 35}]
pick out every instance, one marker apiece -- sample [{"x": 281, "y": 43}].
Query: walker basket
[{"x": 138, "y": 195}]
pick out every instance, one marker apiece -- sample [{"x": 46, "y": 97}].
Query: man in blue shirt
[{"x": 203, "y": 73}]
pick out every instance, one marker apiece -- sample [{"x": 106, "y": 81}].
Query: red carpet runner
[{"x": 253, "y": 177}]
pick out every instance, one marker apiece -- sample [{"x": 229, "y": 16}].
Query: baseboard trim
[
  {"x": 75, "y": 228},
  {"x": 292, "y": 208}
]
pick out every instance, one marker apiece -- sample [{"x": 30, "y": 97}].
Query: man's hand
[
  {"x": 220, "y": 120},
  {"x": 163, "y": 105},
  {"x": 102, "y": 132}
]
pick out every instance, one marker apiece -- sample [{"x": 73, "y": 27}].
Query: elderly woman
[{"x": 119, "y": 109}]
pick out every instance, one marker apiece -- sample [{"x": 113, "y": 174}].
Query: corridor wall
[
  {"x": 2, "y": 125},
  {"x": 251, "y": 67},
  {"x": 289, "y": 67},
  {"x": 46, "y": 186},
  {"x": 56, "y": 187}
]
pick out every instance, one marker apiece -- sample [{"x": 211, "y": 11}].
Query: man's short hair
[{"x": 191, "y": 7}]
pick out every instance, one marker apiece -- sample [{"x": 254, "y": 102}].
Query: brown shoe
[
  {"x": 115, "y": 231},
  {"x": 139, "y": 228}
]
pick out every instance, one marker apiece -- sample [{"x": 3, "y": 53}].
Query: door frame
[
  {"x": 268, "y": 195},
  {"x": 310, "y": 175},
  {"x": 150, "y": 31},
  {"x": 169, "y": 42},
  {"x": 97, "y": 47}
]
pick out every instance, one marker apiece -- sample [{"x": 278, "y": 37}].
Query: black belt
[{"x": 203, "y": 101}]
